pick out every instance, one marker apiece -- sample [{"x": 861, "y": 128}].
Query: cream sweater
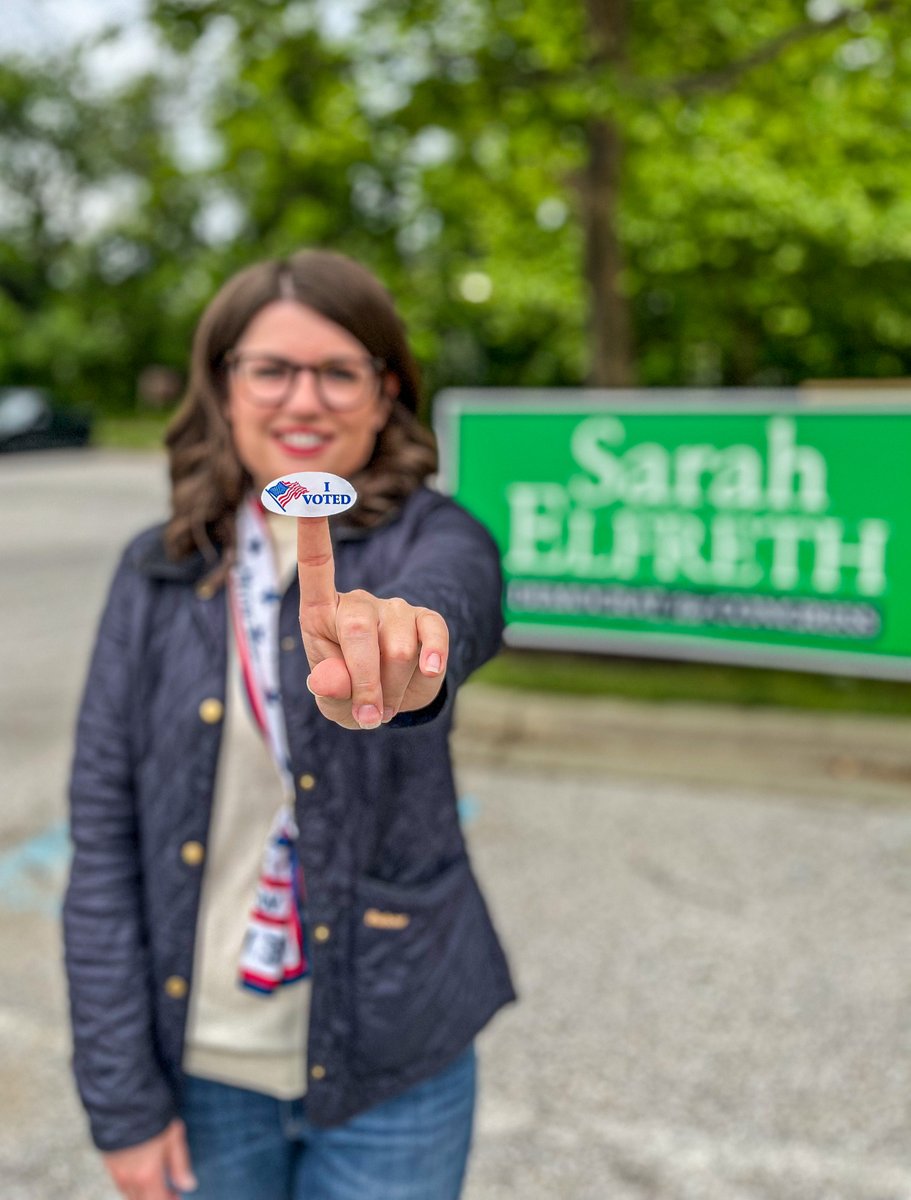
[{"x": 234, "y": 1035}]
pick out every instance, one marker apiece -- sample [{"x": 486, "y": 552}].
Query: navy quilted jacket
[{"x": 378, "y": 830}]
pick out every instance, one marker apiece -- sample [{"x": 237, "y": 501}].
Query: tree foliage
[{"x": 665, "y": 193}]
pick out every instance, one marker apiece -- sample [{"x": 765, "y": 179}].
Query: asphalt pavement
[{"x": 708, "y": 911}]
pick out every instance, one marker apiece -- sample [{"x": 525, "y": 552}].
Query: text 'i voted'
[{"x": 309, "y": 494}]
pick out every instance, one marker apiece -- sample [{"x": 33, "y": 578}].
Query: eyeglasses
[{"x": 342, "y": 384}]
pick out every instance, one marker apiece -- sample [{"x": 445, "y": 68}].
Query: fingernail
[
  {"x": 388, "y": 714},
  {"x": 434, "y": 663},
  {"x": 367, "y": 716}
]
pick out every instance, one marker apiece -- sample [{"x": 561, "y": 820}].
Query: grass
[
  {"x": 136, "y": 431},
  {"x": 657, "y": 681}
]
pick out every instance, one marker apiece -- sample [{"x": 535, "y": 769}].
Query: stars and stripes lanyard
[{"x": 273, "y": 951}]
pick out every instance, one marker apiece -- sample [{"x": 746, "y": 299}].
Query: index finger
[{"x": 315, "y": 564}]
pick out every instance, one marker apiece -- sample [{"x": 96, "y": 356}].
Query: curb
[{"x": 855, "y": 758}]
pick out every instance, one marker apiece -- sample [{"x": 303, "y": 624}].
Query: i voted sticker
[{"x": 309, "y": 494}]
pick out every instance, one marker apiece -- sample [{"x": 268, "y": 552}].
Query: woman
[{"x": 262, "y": 795}]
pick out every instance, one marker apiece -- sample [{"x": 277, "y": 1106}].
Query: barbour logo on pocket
[{"x": 374, "y": 918}]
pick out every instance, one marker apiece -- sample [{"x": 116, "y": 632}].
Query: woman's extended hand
[
  {"x": 369, "y": 658},
  {"x": 153, "y": 1169}
]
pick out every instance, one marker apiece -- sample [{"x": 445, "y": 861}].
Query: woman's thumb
[{"x": 177, "y": 1158}]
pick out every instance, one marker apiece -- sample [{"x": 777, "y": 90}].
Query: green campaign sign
[{"x": 730, "y": 526}]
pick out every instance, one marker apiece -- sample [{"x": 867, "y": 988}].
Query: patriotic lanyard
[{"x": 273, "y": 950}]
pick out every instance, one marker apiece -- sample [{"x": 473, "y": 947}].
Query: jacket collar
[
  {"x": 208, "y": 604},
  {"x": 152, "y": 560}
]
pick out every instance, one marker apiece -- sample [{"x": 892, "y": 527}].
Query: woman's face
[{"x": 301, "y": 433}]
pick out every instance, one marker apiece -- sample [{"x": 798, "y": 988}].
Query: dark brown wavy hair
[{"x": 208, "y": 481}]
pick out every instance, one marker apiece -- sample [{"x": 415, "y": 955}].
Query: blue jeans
[{"x": 247, "y": 1146}]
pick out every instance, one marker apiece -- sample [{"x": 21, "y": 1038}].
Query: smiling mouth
[{"x": 302, "y": 441}]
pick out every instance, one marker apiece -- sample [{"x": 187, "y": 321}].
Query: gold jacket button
[
  {"x": 322, "y": 933},
  {"x": 290, "y": 643},
  {"x": 211, "y": 710},
  {"x": 205, "y": 590},
  {"x": 307, "y": 782},
  {"x": 176, "y": 987},
  {"x": 192, "y": 853},
  {"x": 317, "y": 1071}
]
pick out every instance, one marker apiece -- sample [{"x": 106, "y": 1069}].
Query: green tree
[
  {"x": 603, "y": 191},
  {"x": 715, "y": 193},
  {"x": 96, "y": 233},
  {"x": 724, "y": 167}
]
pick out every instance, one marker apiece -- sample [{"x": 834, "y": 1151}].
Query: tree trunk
[{"x": 610, "y": 326}]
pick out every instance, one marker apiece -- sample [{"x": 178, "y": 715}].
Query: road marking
[
  {"x": 469, "y": 809},
  {"x": 32, "y": 873}
]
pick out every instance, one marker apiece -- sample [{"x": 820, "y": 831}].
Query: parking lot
[{"x": 708, "y": 911}]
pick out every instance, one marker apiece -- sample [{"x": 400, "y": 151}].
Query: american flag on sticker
[{"x": 286, "y": 490}]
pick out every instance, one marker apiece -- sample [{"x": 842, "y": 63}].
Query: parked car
[{"x": 31, "y": 420}]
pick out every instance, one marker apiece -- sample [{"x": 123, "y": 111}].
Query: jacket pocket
[{"x": 422, "y": 957}]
